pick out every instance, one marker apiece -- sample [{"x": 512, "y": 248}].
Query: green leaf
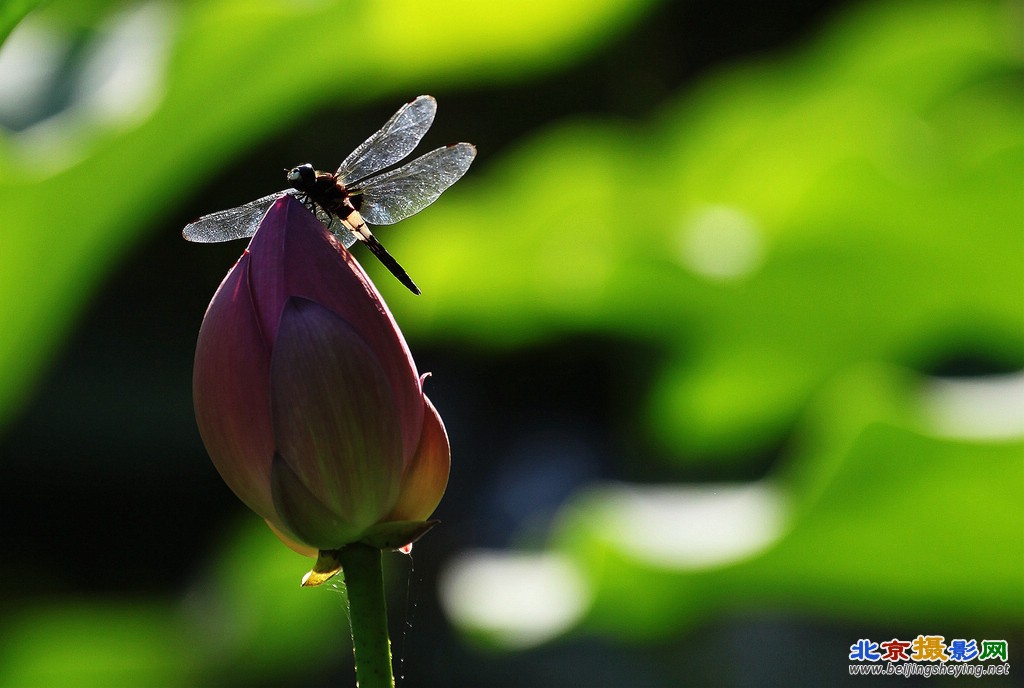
[
  {"x": 879, "y": 516},
  {"x": 76, "y": 198},
  {"x": 12, "y": 12},
  {"x": 95, "y": 645},
  {"x": 858, "y": 201}
]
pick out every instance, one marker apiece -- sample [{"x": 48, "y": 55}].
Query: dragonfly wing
[
  {"x": 394, "y": 141},
  {"x": 395, "y": 195},
  {"x": 236, "y": 223},
  {"x": 336, "y": 227}
]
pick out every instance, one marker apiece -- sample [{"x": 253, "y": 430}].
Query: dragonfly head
[{"x": 302, "y": 177}]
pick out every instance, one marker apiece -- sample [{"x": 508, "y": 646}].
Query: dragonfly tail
[{"x": 377, "y": 249}]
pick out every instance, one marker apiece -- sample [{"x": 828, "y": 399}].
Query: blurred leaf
[
  {"x": 94, "y": 644},
  {"x": 12, "y": 12},
  {"x": 255, "y": 621},
  {"x": 75, "y": 193},
  {"x": 247, "y": 621},
  {"x": 886, "y": 521},
  {"x": 857, "y": 202}
]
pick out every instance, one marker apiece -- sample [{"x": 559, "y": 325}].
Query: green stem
[{"x": 367, "y": 613}]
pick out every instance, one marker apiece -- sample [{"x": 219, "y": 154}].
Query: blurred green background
[{"x": 726, "y": 324}]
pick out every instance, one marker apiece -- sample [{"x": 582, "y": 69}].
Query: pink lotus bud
[{"x": 308, "y": 399}]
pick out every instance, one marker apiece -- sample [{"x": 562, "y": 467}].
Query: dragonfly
[{"x": 359, "y": 193}]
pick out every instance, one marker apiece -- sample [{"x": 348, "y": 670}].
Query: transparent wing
[
  {"x": 395, "y": 195},
  {"x": 336, "y": 227},
  {"x": 236, "y": 223},
  {"x": 394, "y": 141}
]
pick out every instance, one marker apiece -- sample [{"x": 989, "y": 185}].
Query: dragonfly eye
[{"x": 302, "y": 175}]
